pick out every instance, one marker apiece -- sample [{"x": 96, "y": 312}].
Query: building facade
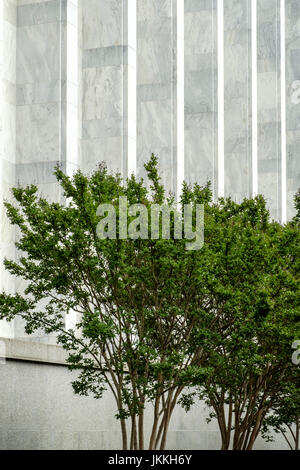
[{"x": 210, "y": 86}]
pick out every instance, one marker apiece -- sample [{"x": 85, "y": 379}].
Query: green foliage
[
  {"x": 137, "y": 302},
  {"x": 156, "y": 322},
  {"x": 284, "y": 415},
  {"x": 254, "y": 291}
]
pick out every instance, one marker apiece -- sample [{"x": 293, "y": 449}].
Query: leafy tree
[
  {"x": 284, "y": 417},
  {"x": 253, "y": 285},
  {"x": 155, "y": 318},
  {"x": 139, "y": 302}
]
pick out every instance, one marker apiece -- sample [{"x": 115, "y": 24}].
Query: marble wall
[{"x": 211, "y": 86}]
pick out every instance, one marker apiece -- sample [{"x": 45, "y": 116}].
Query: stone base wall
[{"x": 39, "y": 410}]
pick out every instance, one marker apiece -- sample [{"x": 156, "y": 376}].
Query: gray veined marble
[
  {"x": 82, "y": 81},
  {"x": 200, "y": 101},
  {"x": 269, "y": 104},
  {"x": 293, "y": 103},
  {"x": 237, "y": 100},
  {"x": 89, "y": 80}
]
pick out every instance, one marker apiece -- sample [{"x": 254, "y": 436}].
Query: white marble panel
[
  {"x": 28, "y": 2},
  {"x": 102, "y": 23},
  {"x": 38, "y": 133},
  {"x": 105, "y": 56},
  {"x": 9, "y": 11},
  {"x": 155, "y": 64},
  {"x": 102, "y": 92},
  {"x": 37, "y": 13},
  {"x": 156, "y": 117},
  {"x": 268, "y": 103},
  {"x": 9, "y": 52},
  {"x": 200, "y": 142},
  {"x": 97, "y": 129},
  {"x": 9, "y": 131},
  {"x": 200, "y": 91},
  {"x": 40, "y": 92},
  {"x": 237, "y": 93},
  {"x": 292, "y": 100},
  {"x": 36, "y": 173},
  {"x": 109, "y": 78},
  {"x": 8, "y": 92},
  {"x": 108, "y": 149},
  {"x": 38, "y": 57},
  {"x": 150, "y": 9},
  {"x": 160, "y": 81}
]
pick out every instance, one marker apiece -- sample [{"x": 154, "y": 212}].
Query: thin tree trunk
[
  {"x": 124, "y": 434},
  {"x": 244, "y": 444},
  {"x": 297, "y": 433},
  {"x": 229, "y": 423},
  {"x": 166, "y": 424},
  {"x": 287, "y": 441},
  {"x": 141, "y": 430},
  {"x": 223, "y": 428},
  {"x": 256, "y": 429},
  {"x": 161, "y": 427},
  {"x": 155, "y": 423},
  {"x": 133, "y": 437}
]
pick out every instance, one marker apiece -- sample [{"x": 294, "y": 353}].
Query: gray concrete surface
[{"x": 39, "y": 410}]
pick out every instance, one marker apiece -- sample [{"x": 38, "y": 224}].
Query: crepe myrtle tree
[
  {"x": 140, "y": 302},
  {"x": 284, "y": 417},
  {"x": 253, "y": 285}
]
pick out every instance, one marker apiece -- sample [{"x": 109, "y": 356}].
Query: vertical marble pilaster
[
  {"x": 154, "y": 86},
  {"x": 179, "y": 93},
  {"x": 269, "y": 103},
  {"x": 7, "y": 141},
  {"x": 160, "y": 88},
  {"x": 282, "y": 185},
  {"x": 219, "y": 186},
  {"x": 1, "y": 96},
  {"x": 254, "y": 162},
  {"x": 292, "y": 8},
  {"x": 1, "y": 132},
  {"x": 129, "y": 87},
  {"x": 47, "y": 91},
  {"x": 109, "y": 84},
  {"x": 69, "y": 119},
  {"x": 237, "y": 91},
  {"x": 201, "y": 91},
  {"x": 47, "y": 98}
]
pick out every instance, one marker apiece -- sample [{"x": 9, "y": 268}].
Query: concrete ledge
[{"x": 32, "y": 352}]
